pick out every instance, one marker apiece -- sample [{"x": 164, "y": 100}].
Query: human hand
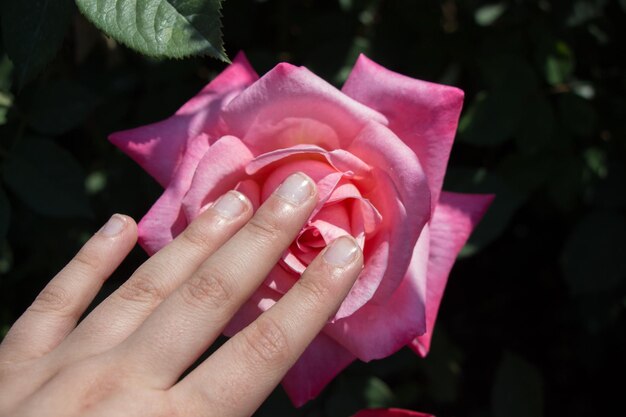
[{"x": 127, "y": 356}]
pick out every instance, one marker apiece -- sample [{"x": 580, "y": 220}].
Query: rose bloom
[{"x": 378, "y": 151}]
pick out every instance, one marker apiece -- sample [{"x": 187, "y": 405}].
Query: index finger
[{"x": 257, "y": 358}]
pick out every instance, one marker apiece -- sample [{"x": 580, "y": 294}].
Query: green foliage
[
  {"x": 46, "y": 178},
  {"x": 590, "y": 254},
  {"x": 496, "y": 114},
  {"x": 160, "y": 28},
  {"x": 378, "y": 394},
  {"x": 57, "y": 107},
  {"x": 5, "y": 215},
  {"x": 518, "y": 389},
  {"x": 506, "y": 203},
  {"x": 32, "y": 31}
]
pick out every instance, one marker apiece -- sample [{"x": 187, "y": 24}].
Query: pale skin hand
[{"x": 127, "y": 356}]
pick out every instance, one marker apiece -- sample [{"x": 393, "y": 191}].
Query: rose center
[{"x": 311, "y": 239}]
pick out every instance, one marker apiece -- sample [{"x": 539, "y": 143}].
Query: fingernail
[
  {"x": 232, "y": 204},
  {"x": 114, "y": 226},
  {"x": 341, "y": 251},
  {"x": 297, "y": 188}
]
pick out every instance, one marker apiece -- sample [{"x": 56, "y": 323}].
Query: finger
[
  {"x": 122, "y": 312},
  {"x": 183, "y": 326},
  {"x": 256, "y": 359},
  {"x": 56, "y": 310}
]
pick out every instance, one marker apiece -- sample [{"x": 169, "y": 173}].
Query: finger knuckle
[
  {"x": 142, "y": 287},
  {"x": 53, "y": 299},
  {"x": 208, "y": 287},
  {"x": 314, "y": 290},
  {"x": 197, "y": 235},
  {"x": 265, "y": 342},
  {"x": 86, "y": 260},
  {"x": 265, "y": 228}
]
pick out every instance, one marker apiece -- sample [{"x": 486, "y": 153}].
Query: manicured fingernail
[
  {"x": 114, "y": 226},
  {"x": 341, "y": 251},
  {"x": 231, "y": 205},
  {"x": 297, "y": 188}
]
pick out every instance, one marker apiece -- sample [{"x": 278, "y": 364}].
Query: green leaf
[
  {"x": 559, "y": 64},
  {"x": 58, "y": 106},
  {"x": 160, "y": 28},
  {"x": 33, "y": 31},
  {"x": 378, "y": 394},
  {"x": 590, "y": 255},
  {"x": 488, "y": 14},
  {"x": 46, "y": 178},
  {"x": 5, "y": 215},
  {"x": 517, "y": 389},
  {"x": 6, "y": 70}
]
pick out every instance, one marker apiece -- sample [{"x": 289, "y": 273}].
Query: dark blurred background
[{"x": 533, "y": 321}]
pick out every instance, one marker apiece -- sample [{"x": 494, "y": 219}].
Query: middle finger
[{"x": 186, "y": 323}]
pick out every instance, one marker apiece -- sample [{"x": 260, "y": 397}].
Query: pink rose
[
  {"x": 378, "y": 151},
  {"x": 390, "y": 412}
]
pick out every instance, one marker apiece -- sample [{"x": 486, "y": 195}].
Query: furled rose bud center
[{"x": 343, "y": 208}]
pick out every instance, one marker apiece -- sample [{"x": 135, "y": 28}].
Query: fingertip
[
  {"x": 343, "y": 252},
  {"x": 118, "y": 225},
  {"x": 297, "y": 189},
  {"x": 231, "y": 205}
]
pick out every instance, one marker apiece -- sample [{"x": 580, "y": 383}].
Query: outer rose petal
[
  {"x": 286, "y": 92},
  {"x": 424, "y": 115},
  {"x": 390, "y": 412},
  {"x": 322, "y": 361},
  {"x": 376, "y": 331},
  {"x": 165, "y": 219},
  {"x": 403, "y": 217},
  {"x": 455, "y": 217},
  {"x": 160, "y": 147}
]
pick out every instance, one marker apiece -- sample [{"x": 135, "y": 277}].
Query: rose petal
[
  {"x": 330, "y": 223},
  {"x": 455, "y": 217},
  {"x": 221, "y": 169},
  {"x": 287, "y": 92},
  {"x": 404, "y": 204},
  {"x": 363, "y": 209},
  {"x": 165, "y": 219},
  {"x": 160, "y": 147},
  {"x": 376, "y": 331},
  {"x": 340, "y": 159},
  {"x": 424, "y": 115},
  {"x": 322, "y": 361}
]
